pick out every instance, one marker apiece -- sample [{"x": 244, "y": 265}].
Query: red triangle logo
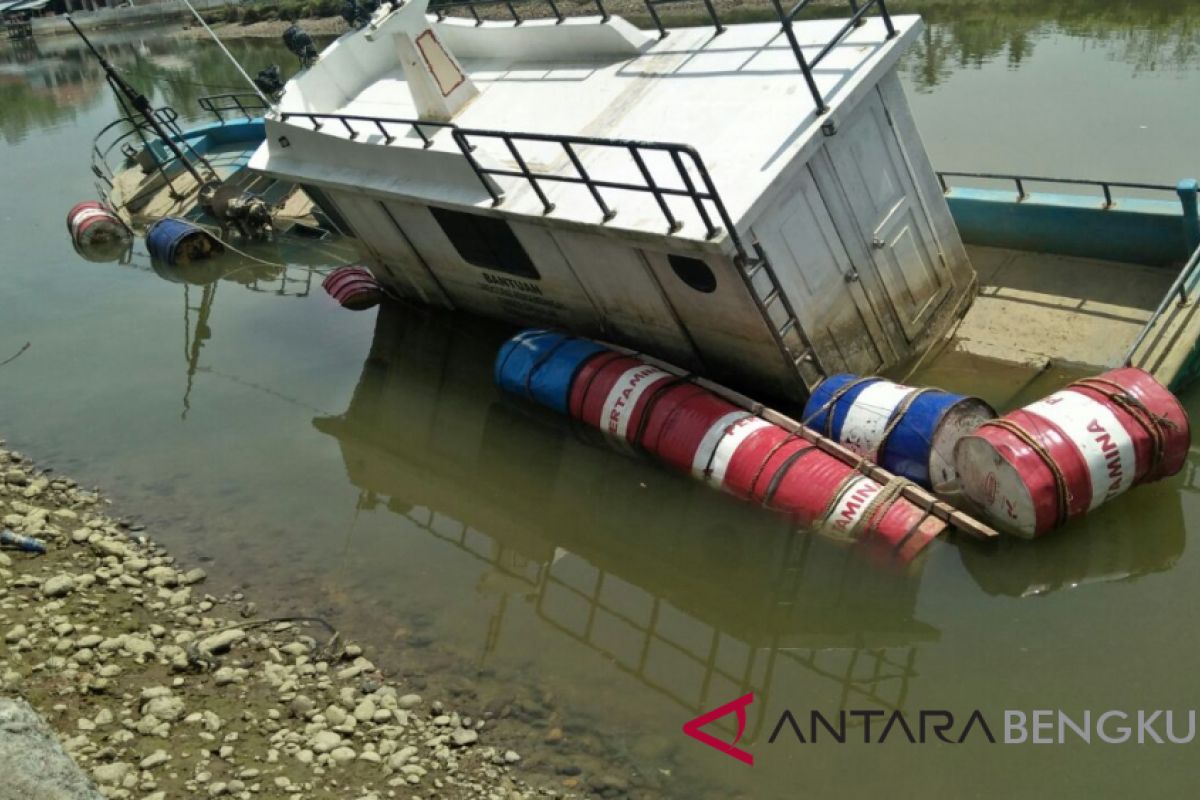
[{"x": 692, "y": 728}]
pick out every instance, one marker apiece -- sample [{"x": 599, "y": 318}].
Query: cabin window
[
  {"x": 694, "y": 272},
  {"x": 485, "y": 242}
]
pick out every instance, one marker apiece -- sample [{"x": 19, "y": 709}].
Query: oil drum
[
  {"x": 1069, "y": 453},
  {"x": 908, "y": 431}
]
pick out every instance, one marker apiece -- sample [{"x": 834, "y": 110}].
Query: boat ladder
[{"x": 781, "y": 317}]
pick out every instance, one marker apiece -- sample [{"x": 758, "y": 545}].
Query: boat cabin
[{"x": 752, "y": 201}]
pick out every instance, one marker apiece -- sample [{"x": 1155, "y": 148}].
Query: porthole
[{"x": 694, "y": 272}]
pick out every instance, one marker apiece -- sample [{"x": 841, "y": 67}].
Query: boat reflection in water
[
  {"x": 1118, "y": 545},
  {"x": 696, "y": 595}
]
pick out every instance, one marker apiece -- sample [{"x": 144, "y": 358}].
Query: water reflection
[
  {"x": 698, "y": 598},
  {"x": 1149, "y": 35},
  {"x": 1114, "y": 546},
  {"x": 49, "y": 80}
]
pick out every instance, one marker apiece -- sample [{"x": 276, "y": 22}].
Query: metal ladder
[{"x": 777, "y": 310}]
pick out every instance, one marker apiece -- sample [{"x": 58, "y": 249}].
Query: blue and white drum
[{"x": 907, "y": 430}]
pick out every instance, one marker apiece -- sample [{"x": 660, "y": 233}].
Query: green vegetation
[{"x": 246, "y": 13}]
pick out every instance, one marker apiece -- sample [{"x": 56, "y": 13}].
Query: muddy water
[{"x": 362, "y": 467}]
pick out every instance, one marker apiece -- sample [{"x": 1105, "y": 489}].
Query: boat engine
[
  {"x": 269, "y": 81},
  {"x": 357, "y": 13},
  {"x": 248, "y": 214},
  {"x": 300, "y": 44}
]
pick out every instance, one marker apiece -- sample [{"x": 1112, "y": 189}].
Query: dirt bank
[{"x": 159, "y": 690}]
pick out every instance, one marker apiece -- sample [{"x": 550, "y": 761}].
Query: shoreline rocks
[{"x": 155, "y": 694}]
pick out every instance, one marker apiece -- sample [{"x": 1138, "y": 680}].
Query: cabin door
[
  {"x": 883, "y": 199},
  {"x": 815, "y": 271}
]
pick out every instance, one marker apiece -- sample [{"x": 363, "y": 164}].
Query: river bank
[
  {"x": 158, "y": 689},
  {"x": 633, "y": 10}
]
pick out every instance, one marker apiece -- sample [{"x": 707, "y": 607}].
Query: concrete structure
[
  {"x": 716, "y": 200},
  {"x": 32, "y": 762}
]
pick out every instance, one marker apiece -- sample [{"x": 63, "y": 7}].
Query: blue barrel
[
  {"x": 860, "y": 412},
  {"x": 541, "y": 365},
  {"x": 171, "y": 240}
]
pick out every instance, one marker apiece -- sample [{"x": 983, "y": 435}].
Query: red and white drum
[
  {"x": 1069, "y": 453},
  {"x": 693, "y": 430},
  {"x": 93, "y": 223},
  {"x": 353, "y": 287}
]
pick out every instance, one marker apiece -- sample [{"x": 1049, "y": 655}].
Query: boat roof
[
  {"x": 22, "y": 5},
  {"x": 738, "y": 98}
]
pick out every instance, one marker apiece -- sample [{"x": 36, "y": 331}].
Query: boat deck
[
  {"x": 1038, "y": 309},
  {"x": 738, "y": 98}
]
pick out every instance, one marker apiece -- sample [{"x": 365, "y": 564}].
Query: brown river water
[{"x": 364, "y": 468}]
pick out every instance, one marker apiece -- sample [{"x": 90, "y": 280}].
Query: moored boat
[{"x": 750, "y": 201}]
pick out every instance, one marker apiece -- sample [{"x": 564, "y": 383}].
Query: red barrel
[
  {"x": 789, "y": 474},
  {"x": 693, "y": 430},
  {"x": 1067, "y": 454},
  {"x": 684, "y": 425},
  {"x": 613, "y": 394},
  {"x": 353, "y": 287},
  {"x": 93, "y": 223}
]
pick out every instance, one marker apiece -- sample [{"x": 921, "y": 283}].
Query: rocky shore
[{"x": 159, "y": 690}]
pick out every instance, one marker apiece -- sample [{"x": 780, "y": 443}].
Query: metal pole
[
  {"x": 228, "y": 55},
  {"x": 139, "y": 102}
]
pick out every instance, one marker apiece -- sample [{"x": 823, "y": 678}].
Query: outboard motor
[
  {"x": 269, "y": 81},
  {"x": 357, "y": 13},
  {"x": 300, "y": 44}
]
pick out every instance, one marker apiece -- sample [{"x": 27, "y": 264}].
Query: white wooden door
[
  {"x": 814, "y": 269},
  {"x": 883, "y": 198}
]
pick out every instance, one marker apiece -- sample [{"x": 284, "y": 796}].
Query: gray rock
[
  {"x": 58, "y": 586},
  {"x": 193, "y": 576},
  {"x": 167, "y": 709},
  {"x": 409, "y": 701},
  {"x": 463, "y": 737},
  {"x": 324, "y": 741},
  {"x": 32, "y": 761},
  {"x": 221, "y": 642}
]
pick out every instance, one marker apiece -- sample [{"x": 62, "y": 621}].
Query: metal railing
[
  {"x": 701, "y": 193},
  {"x": 241, "y": 102},
  {"x": 126, "y": 128},
  {"x": 380, "y": 123},
  {"x": 442, "y": 7},
  {"x": 787, "y": 17},
  {"x": 1019, "y": 182},
  {"x": 1179, "y": 292},
  {"x": 857, "y": 19},
  {"x": 696, "y": 182},
  {"x": 652, "y": 6}
]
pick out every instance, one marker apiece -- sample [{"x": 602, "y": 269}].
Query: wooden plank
[{"x": 918, "y": 496}]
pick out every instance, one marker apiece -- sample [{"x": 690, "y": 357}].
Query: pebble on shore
[{"x": 156, "y": 696}]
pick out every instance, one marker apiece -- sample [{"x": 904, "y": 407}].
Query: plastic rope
[
  {"x": 833, "y": 398},
  {"x": 1060, "y": 482},
  {"x": 897, "y": 415},
  {"x": 1153, "y": 424},
  {"x": 782, "y": 472},
  {"x": 881, "y": 503},
  {"x": 758, "y": 473},
  {"x": 656, "y": 394}
]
